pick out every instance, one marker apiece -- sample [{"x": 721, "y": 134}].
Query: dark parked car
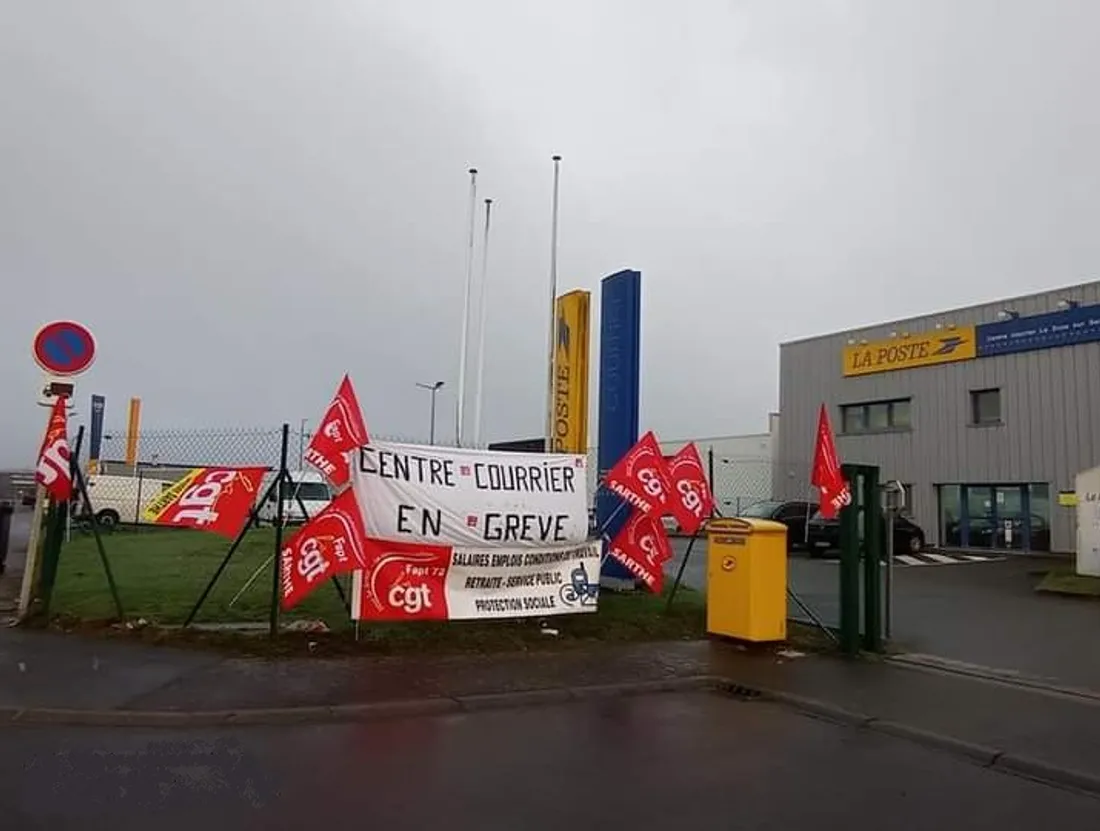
[
  {"x": 824, "y": 535},
  {"x": 983, "y": 532},
  {"x": 793, "y": 514}
]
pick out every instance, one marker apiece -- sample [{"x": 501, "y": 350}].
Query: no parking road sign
[{"x": 64, "y": 348}]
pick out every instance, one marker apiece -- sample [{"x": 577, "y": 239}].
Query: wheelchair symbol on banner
[{"x": 579, "y": 590}]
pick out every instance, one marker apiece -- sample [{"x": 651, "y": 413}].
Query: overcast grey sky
[{"x": 246, "y": 198}]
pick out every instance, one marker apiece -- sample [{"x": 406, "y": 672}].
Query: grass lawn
[
  {"x": 161, "y": 573},
  {"x": 1068, "y": 581}
]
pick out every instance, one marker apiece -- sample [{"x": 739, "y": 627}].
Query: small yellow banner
[
  {"x": 1067, "y": 499},
  {"x": 167, "y": 497}
]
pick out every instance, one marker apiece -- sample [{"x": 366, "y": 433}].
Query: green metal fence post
[
  {"x": 280, "y": 518},
  {"x": 873, "y": 552},
  {"x": 849, "y": 566}
]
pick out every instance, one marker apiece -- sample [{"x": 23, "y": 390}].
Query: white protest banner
[
  {"x": 472, "y": 498},
  {"x": 416, "y": 581}
]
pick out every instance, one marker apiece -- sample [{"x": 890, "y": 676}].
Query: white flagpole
[
  {"x": 553, "y": 308},
  {"x": 480, "y": 394},
  {"x": 461, "y": 403}
]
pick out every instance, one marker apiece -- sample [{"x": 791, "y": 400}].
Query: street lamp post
[{"x": 433, "y": 389}]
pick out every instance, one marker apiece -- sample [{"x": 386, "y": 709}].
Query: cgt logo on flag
[
  {"x": 341, "y": 430},
  {"x": 54, "y": 471},
  {"x": 331, "y": 543},
  {"x": 405, "y": 581},
  {"x": 642, "y": 546},
  {"x": 692, "y": 502},
  {"x": 641, "y": 477},
  {"x": 217, "y": 499}
]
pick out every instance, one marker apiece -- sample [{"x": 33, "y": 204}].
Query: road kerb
[
  {"x": 663, "y": 685},
  {"x": 1007, "y": 678},
  {"x": 520, "y": 698},
  {"x": 981, "y": 754},
  {"x": 993, "y": 758},
  {"x": 815, "y": 707},
  {"x": 990, "y": 757},
  {"x": 313, "y": 714},
  {"x": 1044, "y": 772}
]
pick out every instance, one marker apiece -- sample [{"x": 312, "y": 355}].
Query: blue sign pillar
[
  {"x": 95, "y": 435},
  {"x": 620, "y": 346}
]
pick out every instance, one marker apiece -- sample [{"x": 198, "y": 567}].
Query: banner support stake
[
  {"x": 680, "y": 572},
  {"x": 284, "y": 476},
  {"x": 52, "y": 554},
  {"x": 83, "y": 485},
  {"x": 253, "y": 518}
]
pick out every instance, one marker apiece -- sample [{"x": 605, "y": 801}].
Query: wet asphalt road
[
  {"x": 983, "y": 613},
  {"x": 694, "y": 761}
]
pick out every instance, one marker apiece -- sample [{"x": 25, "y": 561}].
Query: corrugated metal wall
[{"x": 1049, "y": 402}]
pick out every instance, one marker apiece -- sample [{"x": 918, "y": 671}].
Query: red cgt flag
[
  {"x": 333, "y": 542},
  {"x": 217, "y": 499},
  {"x": 641, "y": 477},
  {"x": 642, "y": 546},
  {"x": 53, "y": 469},
  {"x": 692, "y": 502},
  {"x": 341, "y": 430},
  {"x": 404, "y": 581},
  {"x": 826, "y": 475}
]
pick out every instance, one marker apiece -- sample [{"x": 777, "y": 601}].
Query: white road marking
[
  {"x": 941, "y": 558},
  {"x": 908, "y": 560}
]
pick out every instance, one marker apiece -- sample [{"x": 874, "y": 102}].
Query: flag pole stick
[
  {"x": 460, "y": 405},
  {"x": 680, "y": 572},
  {"x": 283, "y": 481},
  {"x": 480, "y": 390},
  {"x": 99, "y": 543},
  {"x": 30, "y": 562},
  {"x": 253, "y": 518},
  {"x": 553, "y": 308},
  {"x": 251, "y": 580}
]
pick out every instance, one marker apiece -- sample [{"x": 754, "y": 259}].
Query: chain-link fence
[
  {"x": 120, "y": 490},
  {"x": 162, "y": 572},
  {"x": 738, "y": 482}
]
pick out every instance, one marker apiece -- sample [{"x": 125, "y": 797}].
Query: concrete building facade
[{"x": 986, "y": 413}]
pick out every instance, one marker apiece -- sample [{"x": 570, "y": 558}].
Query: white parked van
[
  {"x": 308, "y": 490},
  {"x": 118, "y": 499}
]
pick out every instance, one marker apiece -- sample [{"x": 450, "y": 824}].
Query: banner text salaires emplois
[{"x": 456, "y": 533}]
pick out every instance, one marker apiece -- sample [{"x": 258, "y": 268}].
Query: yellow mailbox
[{"x": 747, "y": 579}]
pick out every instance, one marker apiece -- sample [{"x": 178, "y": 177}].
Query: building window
[
  {"x": 899, "y": 414},
  {"x": 876, "y": 416},
  {"x": 852, "y": 419},
  {"x": 985, "y": 406}
]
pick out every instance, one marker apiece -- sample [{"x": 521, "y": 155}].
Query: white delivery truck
[
  {"x": 118, "y": 499},
  {"x": 306, "y": 489}
]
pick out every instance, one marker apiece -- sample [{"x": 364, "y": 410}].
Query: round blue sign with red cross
[{"x": 64, "y": 347}]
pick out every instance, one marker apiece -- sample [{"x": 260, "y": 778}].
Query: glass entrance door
[
  {"x": 979, "y": 521},
  {"x": 1010, "y": 516},
  {"x": 1006, "y": 517}
]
